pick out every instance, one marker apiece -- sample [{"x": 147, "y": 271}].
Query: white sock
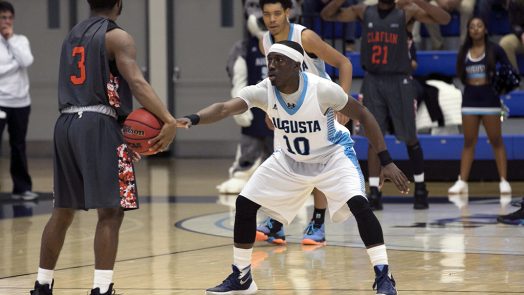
[
  {"x": 242, "y": 257},
  {"x": 102, "y": 280},
  {"x": 374, "y": 181},
  {"x": 419, "y": 177},
  {"x": 378, "y": 255},
  {"x": 45, "y": 276}
]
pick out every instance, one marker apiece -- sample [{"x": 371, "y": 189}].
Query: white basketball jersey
[
  {"x": 302, "y": 131},
  {"x": 311, "y": 65}
]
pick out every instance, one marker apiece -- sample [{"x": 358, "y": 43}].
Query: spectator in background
[
  {"x": 513, "y": 43},
  {"x": 476, "y": 64},
  {"x": 311, "y": 10},
  {"x": 15, "y": 101},
  {"x": 464, "y": 7}
]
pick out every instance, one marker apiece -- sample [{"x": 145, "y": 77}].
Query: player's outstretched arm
[
  {"x": 355, "y": 110},
  {"x": 334, "y": 11},
  {"x": 214, "y": 113},
  {"x": 121, "y": 46}
]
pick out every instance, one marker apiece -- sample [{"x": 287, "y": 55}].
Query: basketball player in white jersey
[
  {"x": 276, "y": 19},
  {"x": 311, "y": 150}
]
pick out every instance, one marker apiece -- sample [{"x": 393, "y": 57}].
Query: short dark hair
[
  {"x": 293, "y": 45},
  {"x": 6, "y": 6},
  {"x": 102, "y": 4},
  {"x": 285, "y": 3}
]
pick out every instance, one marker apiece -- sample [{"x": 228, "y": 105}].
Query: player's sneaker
[
  {"x": 515, "y": 218},
  {"x": 271, "y": 231},
  {"x": 96, "y": 291},
  {"x": 384, "y": 282},
  {"x": 26, "y": 196},
  {"x": 460, "y": 187},
  {"x": 375, "y": 198},
  {"x": 504, "y": 187},
  {"x": 314, "y": 235},
  {"x": 44, "y": 289},
  {"x": 421, "y": 196},
  {"x": 238, "y": 282}
]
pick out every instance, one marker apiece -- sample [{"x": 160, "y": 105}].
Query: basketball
[{"x": 139, "y": 127}]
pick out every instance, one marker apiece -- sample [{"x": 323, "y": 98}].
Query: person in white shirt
[{"x": 15, "y": 101}]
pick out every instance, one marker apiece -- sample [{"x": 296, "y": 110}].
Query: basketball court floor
[{"x": 179, "y": 242}]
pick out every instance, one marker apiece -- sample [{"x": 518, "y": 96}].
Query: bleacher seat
[
  {"x": 499, "y": 22},
  {"x": 441, "y": 62},
  {"x": 515, "y": 102},
  {"x": 445, "y": 147}
]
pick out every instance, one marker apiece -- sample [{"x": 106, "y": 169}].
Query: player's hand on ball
[
  {"x": 391, "y": 172},
  {"x": 135, "y": 156},
  {"x": 164, "y": 138}
]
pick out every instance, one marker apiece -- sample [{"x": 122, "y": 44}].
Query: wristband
[
  {"x": 194, "y": 118},
  {"x": 385, "y": 158}
]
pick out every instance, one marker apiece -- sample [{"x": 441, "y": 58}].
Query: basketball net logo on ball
[{"x": 140, "y": 127}]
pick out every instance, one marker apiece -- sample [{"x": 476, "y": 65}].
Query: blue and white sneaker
[
  {"x": 268, "y": 232},
  {"x": 314, "y": 235},
  {"x": 384, "y": 282},
  {"x": 515, "y": 218},
  {"x": 238, "y": 282}
]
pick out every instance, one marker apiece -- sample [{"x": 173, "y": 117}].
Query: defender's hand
[
  {"x": 183, "y": 123},
  {"x": 391, "y": 172}
]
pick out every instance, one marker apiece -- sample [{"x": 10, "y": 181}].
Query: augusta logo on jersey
[{"x": 296, "y": 126}]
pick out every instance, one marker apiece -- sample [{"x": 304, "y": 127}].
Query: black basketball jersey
[
  {"x": 384, "y": 42},
  {"x": 86, "y": 77},
  {"x": 256, "y": 72}
]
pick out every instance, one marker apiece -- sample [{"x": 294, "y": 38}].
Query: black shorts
[
  {"x": 92, "y": 167},
  {"x": 391, "y": 99}
]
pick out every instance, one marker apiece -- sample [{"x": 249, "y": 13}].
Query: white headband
[{"x": 287, "y": 51}]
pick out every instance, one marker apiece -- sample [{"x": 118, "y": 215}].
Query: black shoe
[
  {"x": 375, "y": 198},
  {"x": 515, "y": 218},
  {"x": 421, "y": 196},
  {"x": 96, "y": 291},
  {"x": 42, "y": 289}
]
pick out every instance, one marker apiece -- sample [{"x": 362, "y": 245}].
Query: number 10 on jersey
[{"x": 300, "y": 146}]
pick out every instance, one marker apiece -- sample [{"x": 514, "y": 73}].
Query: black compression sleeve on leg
[
  {"x": 416, "y": 156},
  {"x": 245, "y": 229},
  {"x": 368, "y": 224}
]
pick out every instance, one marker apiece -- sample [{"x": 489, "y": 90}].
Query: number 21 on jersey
[
  {"x": 79, "y": 54},
  {"x": 379, "y": 55}
]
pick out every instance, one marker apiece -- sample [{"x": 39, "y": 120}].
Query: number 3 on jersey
[
  {"x": 379, "y": 52},
  {"x": 300, "y": 146},
  {"x": 80, "y": 64}
]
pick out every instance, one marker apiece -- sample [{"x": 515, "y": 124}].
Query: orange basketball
[{"x": 139, "y": 127}]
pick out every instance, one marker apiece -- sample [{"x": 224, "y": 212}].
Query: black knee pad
[
  {"x": 245, "y": 220},
  {"x": 368, "y": 224},
  {"x": 358, "y": 204}
]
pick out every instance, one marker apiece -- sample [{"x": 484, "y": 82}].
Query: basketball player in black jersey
[
  {"x": 92, "y": 165},
  {"x": 387, "y": 86}
]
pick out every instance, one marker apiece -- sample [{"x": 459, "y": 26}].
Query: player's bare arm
[
  {"x": 214, "y": 113},
  {"x": 355, "y": 110},
  {"x": 424, "y": 12},
  {"x": 334, "y": 11},
  {"x": 121, "y": 47},
  {"x": 312, "y": 43}
]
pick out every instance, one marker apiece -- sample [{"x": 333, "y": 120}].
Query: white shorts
[{"x": 281, "y": 185}]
